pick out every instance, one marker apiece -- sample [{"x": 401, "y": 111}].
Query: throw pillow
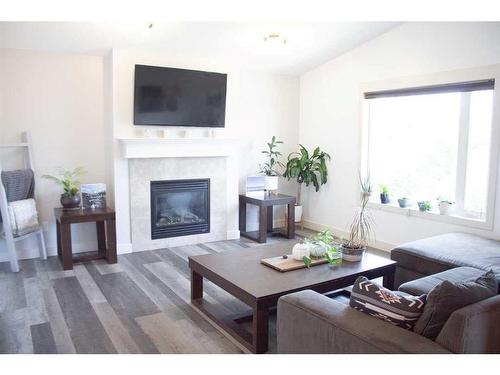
[
  {"x": 397, "y": 308},
  {"x": 447, "y": 297}
]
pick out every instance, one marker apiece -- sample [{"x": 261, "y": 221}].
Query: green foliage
[
  {"x": 269, "y": 168},
  {"x": 333, "y": 256},
  {"x": 307, "y": 261},
  {"x": 384, "y": 189},
  {"x": 424, "y": 206},
  {"x": 307, "y": 168},
  {"x": 325, "y": 236},
  {"x": 67, "y": 179},
  {"x": 366, "y": 184}
]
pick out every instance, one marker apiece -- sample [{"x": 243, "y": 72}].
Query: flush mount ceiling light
[{"x": 275, "y": 38}]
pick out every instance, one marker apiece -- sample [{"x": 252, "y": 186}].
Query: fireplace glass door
[{"x": 180, "y": 208}]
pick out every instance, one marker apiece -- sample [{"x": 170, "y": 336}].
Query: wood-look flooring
[{"x": 140, "y": 305}]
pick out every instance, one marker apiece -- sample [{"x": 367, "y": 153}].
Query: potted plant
[
  {"x": 360, "y": 230},
  {"x": 404, "y": 202},
  {"x": 384, "y": 194},
  {"x": 306, "y": 168},
  {"x": 424, "y": 206},
  {"x": 68, "y": 180},
  {"x": 445, "y": 206},
  {"x": 269, "y": 167},
  {"x": 320, "y": 243}
]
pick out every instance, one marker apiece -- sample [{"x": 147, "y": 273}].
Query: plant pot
[
  {"x": 70, "y": 202},
  {"x": 404, "y": 202},
  {"x": 445, "y": 208},
  {"x": 298, "y": 214},
  {"x": 352, "y": 255},
  {"x": 300, "y": 250},
  {"x": 271, "y": 183},
  {"x": 422, "y": 206},
  {"x": 384, "y": 198}
]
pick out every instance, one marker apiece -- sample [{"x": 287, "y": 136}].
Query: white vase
[
  {"x": 300, "y": 250},
  {"x": 271, "y": 183},
  {"x": 445, "y": 208},
  {"x": 298, "y": 214}
]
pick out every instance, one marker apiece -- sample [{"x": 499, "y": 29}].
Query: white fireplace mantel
[
  {"x": 133, "y": 148},
  {"x": 158, "y": 148}
]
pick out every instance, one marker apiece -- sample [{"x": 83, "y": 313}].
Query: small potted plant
[
  {"x": 360, "y": 230},
  {"x": 445, "y": 206},
  {"x": 269, "y": 168},
  {"x": 384, "y": 194},
  {"x": 320, "y": 243},
  {"x": 306, "y": 168},
  {"x": 70, "y": 198},
  {"x": 404, "y": 202},
  {"x": 424, "y": 206}
]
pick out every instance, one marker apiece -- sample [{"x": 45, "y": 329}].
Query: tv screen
[{"x": 179, "y": 97}]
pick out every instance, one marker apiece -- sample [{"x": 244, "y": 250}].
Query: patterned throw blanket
[
  {"x": 23, "y": 216},
  {"x": 19, "y": 185}
]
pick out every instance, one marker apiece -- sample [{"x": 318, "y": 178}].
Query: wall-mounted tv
[{"x": 179, "y": 97}]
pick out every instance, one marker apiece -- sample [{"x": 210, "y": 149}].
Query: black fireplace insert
[{"x": 180, "y": 208}]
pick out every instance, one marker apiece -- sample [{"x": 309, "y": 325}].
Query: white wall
[
  {"x": 258, "y": 106},
  {"x": 58, "y": 99},
  {"x": 330, "y": 110}
]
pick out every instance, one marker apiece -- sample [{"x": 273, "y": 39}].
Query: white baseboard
[
  {"x": 124, "y": 248},
  {"x": 233, "y": 234},
  {"x": 342, "y": 233}
]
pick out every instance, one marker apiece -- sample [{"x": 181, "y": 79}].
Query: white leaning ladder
[{"x": 7, "y": 227}]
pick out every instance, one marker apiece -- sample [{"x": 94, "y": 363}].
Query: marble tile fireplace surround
[{"x": 153, "y": 160}]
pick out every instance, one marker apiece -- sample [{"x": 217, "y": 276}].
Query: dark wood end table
[
  {"x": 242, "y": 275},
  {"x": 106, "y": 234},
  {"x": 265, "y": 202}
]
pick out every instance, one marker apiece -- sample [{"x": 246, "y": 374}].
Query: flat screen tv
[{"x": 179, "y": 97}]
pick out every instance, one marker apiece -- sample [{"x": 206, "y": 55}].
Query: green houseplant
[
  {"x": 360, "y": 229},
  {"x": 306, "y": 168},
  {"x": 384, "y": 194},
  {"x": 70, "y": 198},
  {"x": 270, "y": 167}
]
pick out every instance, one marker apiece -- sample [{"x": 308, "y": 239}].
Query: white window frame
[{"x": 465, "y": 75}]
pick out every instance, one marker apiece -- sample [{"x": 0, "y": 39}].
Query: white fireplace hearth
[{"x": 180, "y": 159}]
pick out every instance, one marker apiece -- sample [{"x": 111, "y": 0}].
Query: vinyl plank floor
[
  {"x": 140, "y": 305},
  {"x": 43, "y": 339},
  {"x": 86, "y": 330}
]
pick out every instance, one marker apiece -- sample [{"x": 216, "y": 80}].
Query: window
[{"x": 431, "y": 142}]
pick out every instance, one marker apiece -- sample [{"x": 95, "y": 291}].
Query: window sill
[{"x": 435, "y": 216}]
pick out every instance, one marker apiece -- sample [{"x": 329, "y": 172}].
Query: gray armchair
[{"x": 309, "y": 322}]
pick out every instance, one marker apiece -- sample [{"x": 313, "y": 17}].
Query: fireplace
[{"x": 180, "y": 208}]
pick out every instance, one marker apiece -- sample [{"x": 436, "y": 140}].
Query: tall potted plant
[
  {"x": 269, "y": 168},
  {"x": 360, "y": 230},
  {"x": 306, "y": 168}
]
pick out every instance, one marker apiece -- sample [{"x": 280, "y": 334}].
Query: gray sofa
[
  {"x": 440, "y": 253},
  {"x": 309, "y": 322}
]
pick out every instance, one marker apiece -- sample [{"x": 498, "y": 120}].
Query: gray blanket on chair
[{"x": 18, "y": 185}]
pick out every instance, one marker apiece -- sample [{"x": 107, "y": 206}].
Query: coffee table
[{"x": 241, "y": 274}]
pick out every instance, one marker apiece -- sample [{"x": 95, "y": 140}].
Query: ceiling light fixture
[{"x": 275, "y": 38}]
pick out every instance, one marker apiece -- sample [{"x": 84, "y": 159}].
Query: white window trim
[{"x": 465, "y": 75}]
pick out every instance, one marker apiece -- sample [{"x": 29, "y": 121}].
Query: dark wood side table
[
  {"x": 106, "y": 234},
  {"x": 265, "y": 202}
]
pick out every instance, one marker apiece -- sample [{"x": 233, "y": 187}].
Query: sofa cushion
[
  {"x": 425, "y": 284},
  {"x": 397, "y": 308},
  {"x": 440, "y": 253},
  {"x": 448, "y": 297}
]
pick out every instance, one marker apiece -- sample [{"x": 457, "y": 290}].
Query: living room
[{"x": 291, "y": 187}]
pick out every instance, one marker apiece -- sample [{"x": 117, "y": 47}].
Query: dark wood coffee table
[{"x": 241, "y": 274}]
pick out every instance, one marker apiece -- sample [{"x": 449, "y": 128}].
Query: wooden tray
[{"x": 289, "y": 264}]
